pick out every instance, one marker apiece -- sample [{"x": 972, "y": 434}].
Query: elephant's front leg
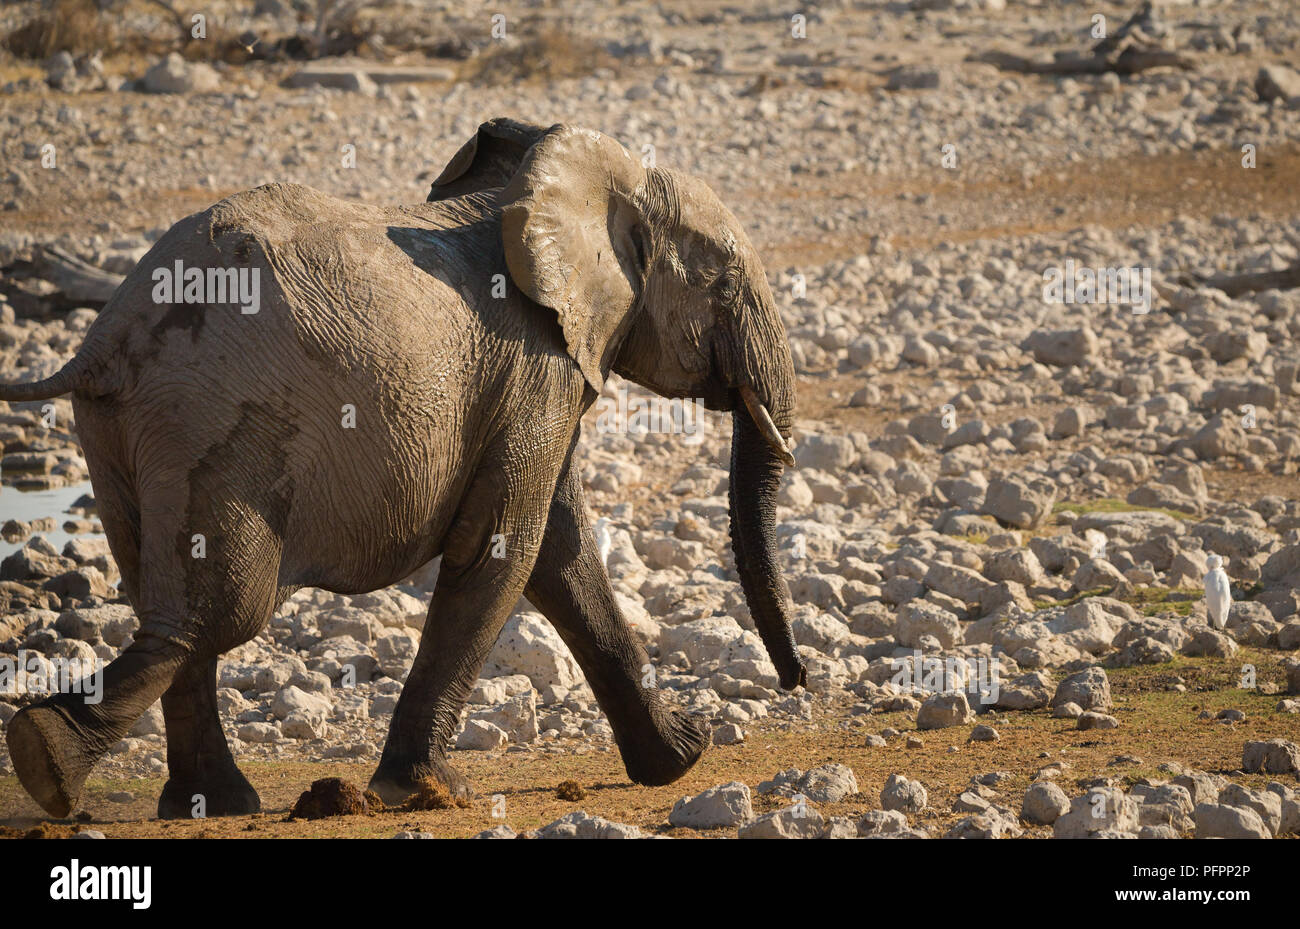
[
  {"x": 487, "y": 557},
  {"x": 569, "y": 584}
]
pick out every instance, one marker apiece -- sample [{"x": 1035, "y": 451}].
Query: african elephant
[{"x": 407, "y": 384}]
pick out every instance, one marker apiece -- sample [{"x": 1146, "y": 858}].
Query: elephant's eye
[{"x": 729, "y": 286}]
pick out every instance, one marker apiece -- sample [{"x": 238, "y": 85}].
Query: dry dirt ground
[{"x": 1158, "y": 726}]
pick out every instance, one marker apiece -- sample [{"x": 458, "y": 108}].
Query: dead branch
[
  {"x": 76, "y": 279},
  {"x": 1142, "y": 43},
  {"x": 1234, "y": 285}
]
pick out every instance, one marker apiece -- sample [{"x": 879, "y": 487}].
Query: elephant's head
[{"x": 652, "y": 277}]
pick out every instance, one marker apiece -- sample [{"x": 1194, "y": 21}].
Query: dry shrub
[
  {"x": 80, "y": 27},
  {"x": 570, "y": 790},
  {"x": 338, "y": 27},
  {"x": 549, "y": 55},
  {"x": 73, "y": 26}
]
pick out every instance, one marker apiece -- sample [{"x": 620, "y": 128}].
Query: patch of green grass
[
  {"x": 1213, "y": 684},
  {"x": 1112, "y": 505},
  {"x": 1150, "y": 601},
  {"x": 1153, "y": 601}
]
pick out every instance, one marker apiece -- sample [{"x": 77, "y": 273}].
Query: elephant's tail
[
  {"x": 71, "y": 376},
  {"x": 81, "y": 372}
]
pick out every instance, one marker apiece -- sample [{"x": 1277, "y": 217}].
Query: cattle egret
[
  {"x": 604, "y": 539},
  {"x": 1218, "y": 596}
]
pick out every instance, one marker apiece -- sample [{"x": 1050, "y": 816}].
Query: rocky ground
[{"x": 1018, "y": 493}]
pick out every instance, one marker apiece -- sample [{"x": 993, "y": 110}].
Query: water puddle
[{"x": 36, "y": 504}]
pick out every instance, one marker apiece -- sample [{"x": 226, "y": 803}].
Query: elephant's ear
[
  {"x": 574, "y": 238},
  {"x": 489, "y": 159}
]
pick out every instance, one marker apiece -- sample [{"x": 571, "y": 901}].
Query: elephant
[{"x": 408, "y": 384}]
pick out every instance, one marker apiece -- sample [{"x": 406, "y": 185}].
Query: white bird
[
  {"x": 604, "y": 539},
  {"x": 1218, "y": 595},
  {"x": 1096, "y": 541}
]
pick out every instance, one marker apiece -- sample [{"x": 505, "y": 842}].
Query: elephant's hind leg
[
  {"x": 233, "y": 590},
  {"x": 55, "y": 743},
  {"x": 192, "y": 606},
  {"x": 203, "y": 778}
]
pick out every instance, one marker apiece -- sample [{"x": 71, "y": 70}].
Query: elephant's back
[
  {"x": 286, "y": 277},
  {"x": 326, "y": 340}
]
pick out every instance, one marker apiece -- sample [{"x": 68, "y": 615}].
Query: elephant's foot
[
  {"x": 50, "y": 756},
  {"x": 230, "y": 794},
  {"x": 654, "y": 762},
  {"x": 394, "y": 782}
]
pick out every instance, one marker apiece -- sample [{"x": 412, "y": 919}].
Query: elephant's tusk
[{"x": 763, "y": 420}]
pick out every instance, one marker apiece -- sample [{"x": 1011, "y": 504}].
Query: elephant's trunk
[{"x": 756, "y": 467}]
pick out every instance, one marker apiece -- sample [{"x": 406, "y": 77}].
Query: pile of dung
[
  {"x": 570, "y": 790},
  {"x": 330, "y": 796}
]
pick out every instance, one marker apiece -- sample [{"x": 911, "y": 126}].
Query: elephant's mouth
[{"x": 781, "y": 446}]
